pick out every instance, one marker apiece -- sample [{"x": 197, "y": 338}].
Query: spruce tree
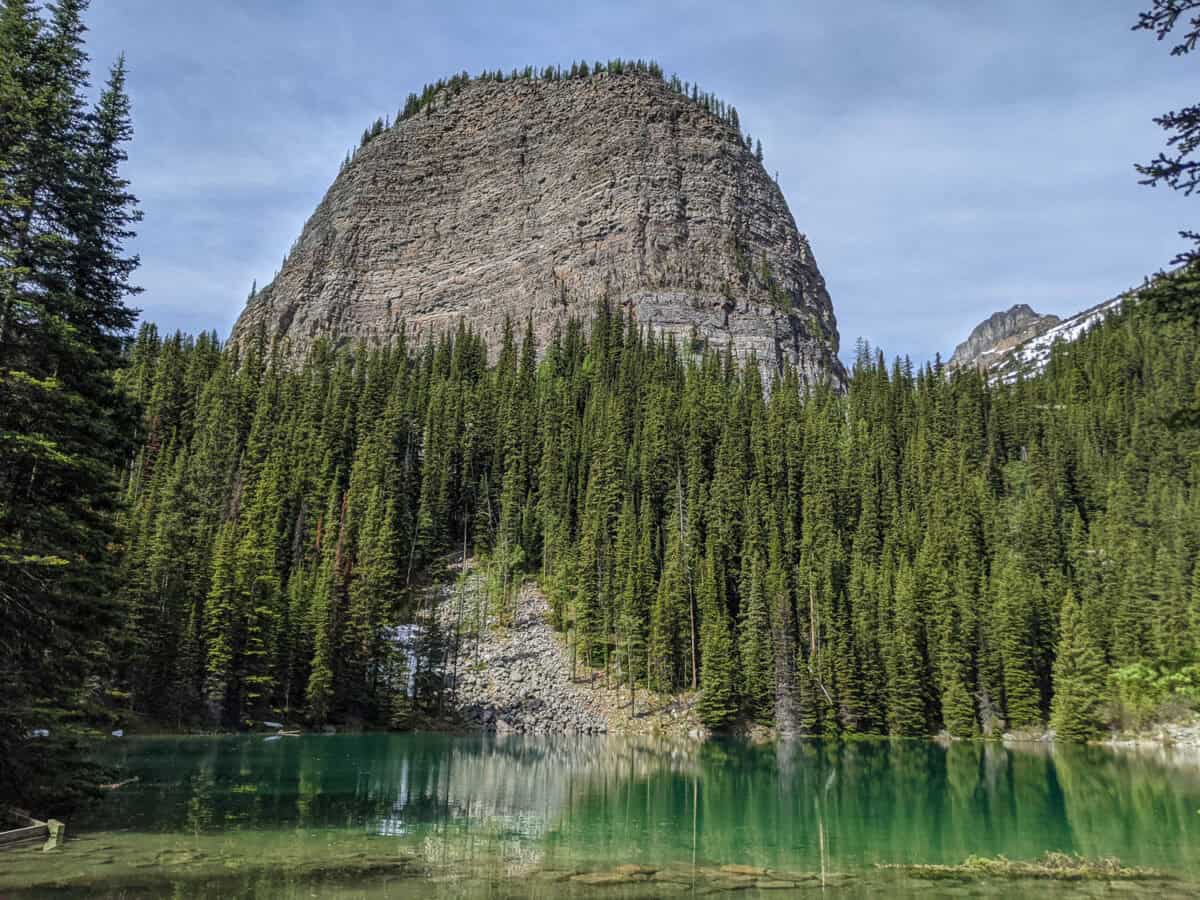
[
  {"x": 1079, "y": 677},
  {"x": 65, "y": 427},
  {"x": 1013, "y": 611},
  {"x": 906, "y": 698},
  {"x": 717, "y": 704},
  {"x": 754, "y": 650},
  {"x": 669, "y": 658}
]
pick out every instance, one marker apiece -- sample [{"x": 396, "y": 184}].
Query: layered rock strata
[{"x": 531, "y": 198}]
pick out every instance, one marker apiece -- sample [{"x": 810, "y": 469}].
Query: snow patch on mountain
[{"x": 1031, "y": 357}]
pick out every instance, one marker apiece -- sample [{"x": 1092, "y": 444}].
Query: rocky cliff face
[
  {"x": 999, "y": 333},
  {"x": 538, "y": 198}
]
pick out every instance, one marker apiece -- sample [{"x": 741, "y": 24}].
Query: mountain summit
[
  {"x": 999, "y": 333},
  {"x": 513, "y": 197}
]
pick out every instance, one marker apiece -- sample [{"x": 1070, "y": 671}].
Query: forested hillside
[{"x": 922, "y": 553}]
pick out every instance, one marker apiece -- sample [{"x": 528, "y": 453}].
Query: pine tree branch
[{"x": 1162, "y": 18}]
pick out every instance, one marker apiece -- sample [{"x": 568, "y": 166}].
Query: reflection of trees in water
[
  {"x": 202, "y": 795},
  {"x": 1106, "y": 792},
  {"x": 369, "y": 781},
  {"x": 525, "y": 799},
  {"x": 900, "y": 801}
]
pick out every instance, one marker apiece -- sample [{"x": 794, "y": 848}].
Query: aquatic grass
[{"x": 1051, "y": 865}]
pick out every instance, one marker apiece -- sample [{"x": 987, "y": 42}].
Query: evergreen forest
[{"x": 922, "y": 553}]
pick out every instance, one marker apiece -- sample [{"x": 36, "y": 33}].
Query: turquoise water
[{"x": 481, "y": 815}]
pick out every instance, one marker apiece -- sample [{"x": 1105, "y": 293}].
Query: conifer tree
[
  {"x": 1013, "y": 612},
  {"x": 717, "y": 705},
  {"x": 323, "y": 614},
  {"x": 906, "y": 700},
  {"x": 221, "y": 630},
  {"x": 65, "y": 427},
  {"x": 669, "y": 657},
  {"x": 754, "y": 651},
  {"x": 1078, "y": 677}
]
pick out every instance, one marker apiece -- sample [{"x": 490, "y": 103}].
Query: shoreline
[{"x": 519, "y": 678}]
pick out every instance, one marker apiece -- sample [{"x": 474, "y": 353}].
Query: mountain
[
  {"x": 1030, "y": 356},
  {"x": 999, "y": 332},
  {"x": 541, "y": 196},
  {"x": 1018, "y": 341}
]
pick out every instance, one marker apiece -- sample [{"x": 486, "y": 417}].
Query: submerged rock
[
  {"x": 601, "y": 878},
  {"x": 744, "y": 870},
  {"x": 635, "y": 869}
]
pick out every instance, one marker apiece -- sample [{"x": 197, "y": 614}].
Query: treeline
[
  {"x": 432, "y": 92},
  {"x": 922, "y": 553}
]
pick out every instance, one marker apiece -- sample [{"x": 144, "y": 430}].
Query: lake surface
[{"x": 433, "y": 815}]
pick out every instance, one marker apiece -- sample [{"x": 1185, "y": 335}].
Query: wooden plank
[
  {"x": 33, "y": 831},
  {"x": 38, "y": 832}
]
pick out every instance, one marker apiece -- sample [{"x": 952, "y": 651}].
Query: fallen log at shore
[{"x": 29, "y": 830}]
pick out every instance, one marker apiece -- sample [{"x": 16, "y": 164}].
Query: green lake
[{"x": 435, "y": 815}]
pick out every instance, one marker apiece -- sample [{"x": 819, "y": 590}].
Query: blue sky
[{"x": 945, "y": 158}]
